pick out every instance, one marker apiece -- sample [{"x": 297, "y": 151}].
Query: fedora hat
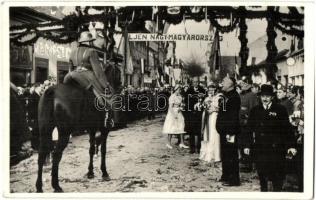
[
  {"x": 85, "y": 36},
  {"x": 266, "y": 90}
]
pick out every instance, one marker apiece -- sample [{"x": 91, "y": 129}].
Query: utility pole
[
  {"x": 147, "y": 54},
  {"x": 124, "y": 80}
]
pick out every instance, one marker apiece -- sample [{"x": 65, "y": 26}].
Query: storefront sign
[{"x": 49, "y": 49}]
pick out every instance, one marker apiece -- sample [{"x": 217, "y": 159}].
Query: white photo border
[{"x": 309, "y": 62}]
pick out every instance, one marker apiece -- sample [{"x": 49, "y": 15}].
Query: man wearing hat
[
  {"x": 272, "y": 139},
  {"x": 228, "y": 127}
]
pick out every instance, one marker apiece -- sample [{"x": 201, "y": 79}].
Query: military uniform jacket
[
  {"x": 272, "y": 132},
  {"x": 85, "y": 61}
]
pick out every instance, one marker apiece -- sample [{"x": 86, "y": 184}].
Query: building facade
[
  {"x": 290, "y": 59},
  {"x": 39, "y": 61}
]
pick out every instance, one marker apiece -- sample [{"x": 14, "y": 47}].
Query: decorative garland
[
  {"x": 292, "y": 31},
  {"x": 223, "y": 29},
  {"x": 244, "y": 50},
  {"x": 271, "y": 47},
  {"x": 134, "y": 15},
  {"x": 16, "y": 42},
  {"x": 173, "y": 18},
  {"x": 198, "y": 17}
]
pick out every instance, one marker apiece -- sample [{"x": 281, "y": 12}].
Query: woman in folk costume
[
  {"x": 174, "y": 122},
  {"x": 210, "y": 146}
]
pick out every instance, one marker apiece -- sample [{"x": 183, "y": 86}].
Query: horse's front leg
[
  {"x": 57, "y": 154},
  {"x": 104, "y": 136},
  {"x": 91, "y": 154}
]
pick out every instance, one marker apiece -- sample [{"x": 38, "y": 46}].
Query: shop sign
[{"x": 50, "y": 49}]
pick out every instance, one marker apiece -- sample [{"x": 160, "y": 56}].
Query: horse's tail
[{"x": 46, "y": 122}]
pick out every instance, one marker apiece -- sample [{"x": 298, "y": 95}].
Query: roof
[
  {"x": 281, "y": 56},
  {"x": 29, "y": 15}
]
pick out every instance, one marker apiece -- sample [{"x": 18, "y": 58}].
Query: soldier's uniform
[{"x": 86, "y": 68}]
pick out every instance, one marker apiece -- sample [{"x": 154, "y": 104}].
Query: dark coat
[
  {"x": 288, "y": 105},
  {"x": 193, "y": 119},
  {"x": 248, "y": 101},
  {"x": 272, "y": 137},
  {"x": 228, "y": 116}
]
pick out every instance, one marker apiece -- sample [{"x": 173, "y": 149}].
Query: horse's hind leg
[
  {"x": 91, "y": 154},
  {"x": 44, "y": 149},
  {"x": 104, "y": 136},
  {"x": 57, "y": 154}
]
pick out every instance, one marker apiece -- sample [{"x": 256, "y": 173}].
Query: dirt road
[{"x": 137, "y": 161}]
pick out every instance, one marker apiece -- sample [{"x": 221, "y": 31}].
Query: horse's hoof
[
  {"x": 90, "y": 175},
  {"x": 58, "y": 190},
  {"x": 106, "y": 178},
  {"x": 39, "y": 190}
]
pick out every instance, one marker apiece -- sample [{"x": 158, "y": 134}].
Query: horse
[{"x": 70, "y": 108}]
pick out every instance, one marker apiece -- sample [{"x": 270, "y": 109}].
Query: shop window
[{"x": 41, "y": 70}]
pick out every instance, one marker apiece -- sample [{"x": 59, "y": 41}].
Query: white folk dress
[
  {"x": 174, "y": 122},
  {"x": 210, "y": 146}
]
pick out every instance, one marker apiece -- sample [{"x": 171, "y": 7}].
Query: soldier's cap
[
  {"x": 85, "y": 36},
  {"x": 266, "y": 90}
]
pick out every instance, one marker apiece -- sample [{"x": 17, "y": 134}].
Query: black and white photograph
[{"x": 179, "y": 100}]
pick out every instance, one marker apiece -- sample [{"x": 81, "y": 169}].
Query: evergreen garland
[{"x": 73, "y": 24}]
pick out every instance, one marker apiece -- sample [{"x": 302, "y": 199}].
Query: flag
[
  {"x": 129, "y": 61},
  {"x": 214, "y": 51},
  {"x": 166, "y": 27},
  {"x": 142, "y": 65},
  {"x": 236, "y": 66}
]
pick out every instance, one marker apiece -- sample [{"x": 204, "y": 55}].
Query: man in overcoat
[
  {"x": 228, "y": 127},
  {"x": 192, "y": 118},
  {"x": 272, "y": 139}
]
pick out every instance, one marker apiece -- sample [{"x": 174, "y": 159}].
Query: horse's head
[{"x": 113, "y": 74}]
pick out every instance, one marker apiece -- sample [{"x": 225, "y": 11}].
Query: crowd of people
[{"x": 241, "y": 126}]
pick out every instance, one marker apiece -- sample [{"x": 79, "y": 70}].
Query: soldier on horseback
[{"x": 86, "y": 69}]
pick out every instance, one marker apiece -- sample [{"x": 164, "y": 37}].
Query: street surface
[{"x": 137, "y": 161}]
